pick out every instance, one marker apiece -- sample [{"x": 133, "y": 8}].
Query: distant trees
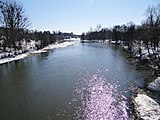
[
  {"x": 83, "y": 37},
  {"x": 116, "y": 33},
  {"x": 45, "y": 38},
  {"x": 97, "y": 34},
  {"x": 13, "y": 19}
]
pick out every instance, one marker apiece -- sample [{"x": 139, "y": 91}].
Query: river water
[{"x": 83, "y": 81}]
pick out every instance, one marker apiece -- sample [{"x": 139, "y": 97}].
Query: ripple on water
[{"x": 98, "y": 100}]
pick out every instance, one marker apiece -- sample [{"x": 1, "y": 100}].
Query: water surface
[{"x": 42, "y": 87}]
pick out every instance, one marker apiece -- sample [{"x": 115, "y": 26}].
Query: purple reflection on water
[{"x": 99, "y": 101}]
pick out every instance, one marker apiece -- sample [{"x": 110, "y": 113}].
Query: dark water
[{"x": 41, "y": 87}]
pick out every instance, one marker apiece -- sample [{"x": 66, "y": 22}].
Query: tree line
[{"x": 148, "y": 32}]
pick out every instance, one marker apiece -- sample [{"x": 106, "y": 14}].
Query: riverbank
[
  {"x": 145, "y": 101},
  {"x": 144, "y": 105},
  {"x": 45, "y": 49}
]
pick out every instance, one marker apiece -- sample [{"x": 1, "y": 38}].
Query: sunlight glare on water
[{"x": 98, "y": 100}]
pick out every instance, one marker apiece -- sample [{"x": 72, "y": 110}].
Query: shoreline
[
  {"x": 144, "y": 102},
  {"x": 43, "y": 50}
]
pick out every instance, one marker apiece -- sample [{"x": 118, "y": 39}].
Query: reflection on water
[{"x": 99, "y": 100}]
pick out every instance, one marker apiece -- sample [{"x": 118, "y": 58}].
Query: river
[{"x": 68, "y": 83}]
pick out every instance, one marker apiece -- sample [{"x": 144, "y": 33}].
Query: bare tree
[
  {"x": 153, "y": 25},
  {"x": 152, "y": 32},
  {"x": 13, "y": 19},
  {"x": 98, "y": 28}
]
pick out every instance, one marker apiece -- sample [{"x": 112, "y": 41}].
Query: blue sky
[{"x": 78, "y": 16}]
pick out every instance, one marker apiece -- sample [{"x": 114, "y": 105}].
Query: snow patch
[
  {"x": 38, "y": 51},
  {"x": 60, "y": 45},
  {"x": 32, "y": 51},
  {"x": 155, "y": 85},
  {"x": 18, "y": 57},
  {"x": 146, "y": 107}
]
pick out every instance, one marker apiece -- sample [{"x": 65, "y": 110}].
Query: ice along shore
[{"x": 45, "y": 49}]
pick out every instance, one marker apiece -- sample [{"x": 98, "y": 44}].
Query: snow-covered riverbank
[
  {"x": 145, "y": 105},
  {"x": 18, "y": 57},
  {"x": 146, "y": 108},
  {"x": 45, "y": 49}
]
